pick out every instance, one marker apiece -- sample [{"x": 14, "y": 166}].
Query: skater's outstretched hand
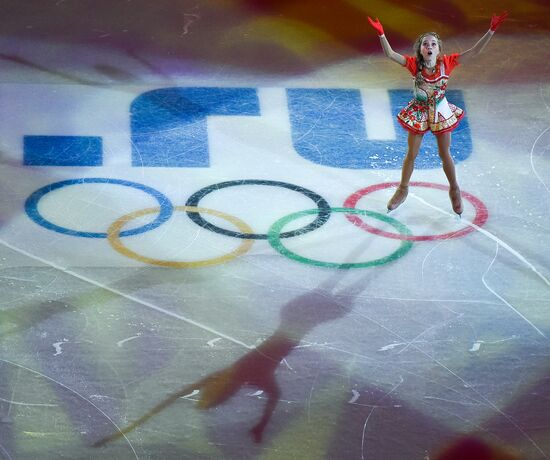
[
  {"x": 376, "y": 25},
  {"x": 497, "y": 20}
]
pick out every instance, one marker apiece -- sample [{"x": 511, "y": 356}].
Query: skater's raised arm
[
  {"x": 496, "y": 21},
  {"x": 388, "y": 51}
]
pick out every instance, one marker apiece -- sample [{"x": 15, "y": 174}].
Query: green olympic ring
[{"x": 275, "y": 240}]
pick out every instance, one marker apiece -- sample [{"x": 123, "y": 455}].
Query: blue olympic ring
[{"x": 31, "y": 206}]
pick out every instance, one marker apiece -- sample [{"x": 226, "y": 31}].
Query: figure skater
[{"x": 429, "y": 109}]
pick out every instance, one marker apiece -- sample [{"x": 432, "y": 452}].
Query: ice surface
[{"x": 351, "y": 344}]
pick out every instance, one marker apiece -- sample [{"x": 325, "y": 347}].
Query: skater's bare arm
[
  {"x": 477, "y": 48},
  {"x": 389, "y": 52},
  {"x": 496, "y": 20}
]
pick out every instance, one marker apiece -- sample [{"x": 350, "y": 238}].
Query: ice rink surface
[{"x": 194, "y": 212}]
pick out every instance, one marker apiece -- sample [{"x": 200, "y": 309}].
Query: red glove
[
  {"x": 497, "y": 20},
  {"x": 377, "y": 26}
]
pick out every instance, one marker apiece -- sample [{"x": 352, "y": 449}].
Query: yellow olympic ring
[{"x": 113, "y": 236}]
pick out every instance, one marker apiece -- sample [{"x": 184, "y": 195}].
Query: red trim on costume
[
  {"x": 446, "y": 130},
  {"x": 431, "y": 79},
  {"x": 451, "y": 128}
]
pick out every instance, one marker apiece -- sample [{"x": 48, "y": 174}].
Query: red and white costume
[{"x": 429, "y": 110}]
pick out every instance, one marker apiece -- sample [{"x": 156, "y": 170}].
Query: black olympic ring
[{"x": 322, "y": 204}]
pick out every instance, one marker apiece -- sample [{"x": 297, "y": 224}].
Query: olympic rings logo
[{"x": 275, "y": 234}]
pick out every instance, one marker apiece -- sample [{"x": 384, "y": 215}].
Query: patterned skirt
[{"x": 421, "y": 117}]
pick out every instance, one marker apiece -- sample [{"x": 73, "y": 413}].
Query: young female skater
[{"x": 429, "y": 109}]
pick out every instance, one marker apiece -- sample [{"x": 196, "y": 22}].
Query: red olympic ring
[{"x": 480, "y": 217}]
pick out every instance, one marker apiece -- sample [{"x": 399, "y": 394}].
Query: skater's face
[{"x": 429, "y": 48}]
